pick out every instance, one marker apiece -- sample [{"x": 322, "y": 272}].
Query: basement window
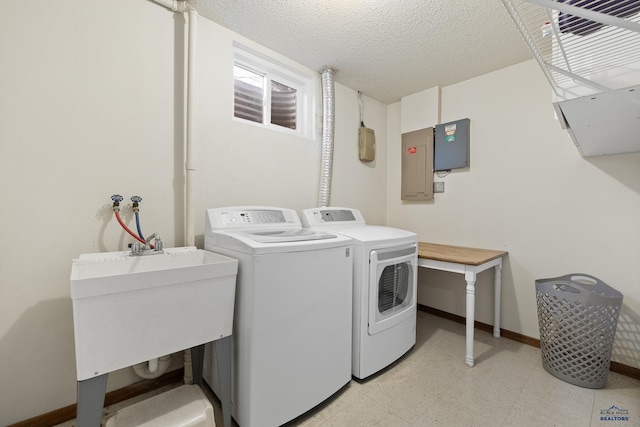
[{"x": 271, "y": 94}]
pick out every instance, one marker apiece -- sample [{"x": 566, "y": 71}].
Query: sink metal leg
[
  {"x": 197, "y": 363},
  {"x": 223, "y": 357},
  {"x": 91, "y": 401}
]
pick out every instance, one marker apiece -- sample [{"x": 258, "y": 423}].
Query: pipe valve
[
  {"x": 136, "y": 200},
  {"x": 116, "y": 198}
]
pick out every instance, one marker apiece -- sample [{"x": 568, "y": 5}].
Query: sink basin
[
  {"x": 129, "y": 309},
  {"x": 114, "y": 272}
]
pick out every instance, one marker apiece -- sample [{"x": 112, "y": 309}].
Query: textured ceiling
[{"x": 385, "y": 49}]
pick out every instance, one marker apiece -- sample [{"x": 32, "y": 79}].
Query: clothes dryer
[
  {"x": 291, "y": 343},
  {"x": 384, "y": 286}
]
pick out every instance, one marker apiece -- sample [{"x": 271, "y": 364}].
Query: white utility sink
[{"x": 130, "y": 309}]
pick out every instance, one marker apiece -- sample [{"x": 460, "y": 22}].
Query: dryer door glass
[{"x": 393, "y": 288}]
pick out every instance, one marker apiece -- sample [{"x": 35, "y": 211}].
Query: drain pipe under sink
[{"x": 153, "y": 368}]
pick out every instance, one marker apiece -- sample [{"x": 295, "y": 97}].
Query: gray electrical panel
[{"x": 451, "y": 150}]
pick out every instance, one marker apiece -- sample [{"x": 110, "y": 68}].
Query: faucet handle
[{"x": 135, "y": 248}]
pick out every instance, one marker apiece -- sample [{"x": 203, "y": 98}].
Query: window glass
[
  {"x": 248, "y": 94},
  {"x": 283, "y": 105}
]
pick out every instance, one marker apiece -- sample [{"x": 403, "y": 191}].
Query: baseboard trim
[
  {"x": 616, "y": 367},
  {"x": 68, "y": 413}
]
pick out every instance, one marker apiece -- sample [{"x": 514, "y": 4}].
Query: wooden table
[{"x": 470, "y": 262}]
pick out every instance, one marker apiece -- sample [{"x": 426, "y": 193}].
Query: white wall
[
  {"x": 242, "y": 164},
  {"x": 359, "y": 184},
  {"x": 86, "y": 111},
  {"x": 529, "y": 192},
  {"x": 92, "y": 105}
]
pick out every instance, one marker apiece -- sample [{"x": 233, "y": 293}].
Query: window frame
[{"x": 272, "y": 69}]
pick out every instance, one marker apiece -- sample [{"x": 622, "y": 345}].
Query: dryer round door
[{"x": 392, "y": 286}]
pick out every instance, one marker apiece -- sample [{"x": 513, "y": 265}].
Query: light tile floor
[{"x": 432, "y": 386}]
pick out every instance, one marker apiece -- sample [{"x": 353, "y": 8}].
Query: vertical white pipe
[
  {"x": 328, "y": 128},
  {"x": 190, "y": 167},
  {"x": 191, "y": 17}
]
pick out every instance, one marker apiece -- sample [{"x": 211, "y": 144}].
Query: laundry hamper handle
[{"x": 580, "y": 287}]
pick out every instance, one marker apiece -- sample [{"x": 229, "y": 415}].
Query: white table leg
[
  {"x": 497, "y": 285},
  {"x": 470, "y": 278}
]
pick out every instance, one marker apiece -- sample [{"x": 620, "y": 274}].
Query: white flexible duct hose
[{"x": 328, "y": 128}]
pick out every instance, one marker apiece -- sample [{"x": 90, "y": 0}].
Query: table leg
[
  {"x": 91, "y": 401},
  {"x": 497, "y": 286},
  {"x": 470, "y": 278},
  {"x": 223, "y": 358}
]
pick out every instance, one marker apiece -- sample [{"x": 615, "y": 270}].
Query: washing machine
[
  {"x": 291, "y": 342},
  {"x": 384, "y": 286}
]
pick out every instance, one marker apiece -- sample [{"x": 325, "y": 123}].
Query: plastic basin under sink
[{"x": 129, "y": 309}]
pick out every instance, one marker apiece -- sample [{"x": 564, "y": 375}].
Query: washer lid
[
  {"x": 271, "y": 241},
  {"x": 280, "y": 236}
]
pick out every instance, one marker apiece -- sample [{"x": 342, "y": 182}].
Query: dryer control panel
[{"x": 331, "y": 216}]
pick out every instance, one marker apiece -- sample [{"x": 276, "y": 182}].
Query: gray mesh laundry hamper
[{"x": 577, "y": 316}]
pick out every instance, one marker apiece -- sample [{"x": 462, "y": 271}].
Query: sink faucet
[{"x": 137, "y": 249}]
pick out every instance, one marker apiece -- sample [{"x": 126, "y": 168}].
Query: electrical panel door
[{"x": 417, "y": 165}]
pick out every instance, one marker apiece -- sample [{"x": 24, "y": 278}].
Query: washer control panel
[{"x": 248, "y": 217}]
